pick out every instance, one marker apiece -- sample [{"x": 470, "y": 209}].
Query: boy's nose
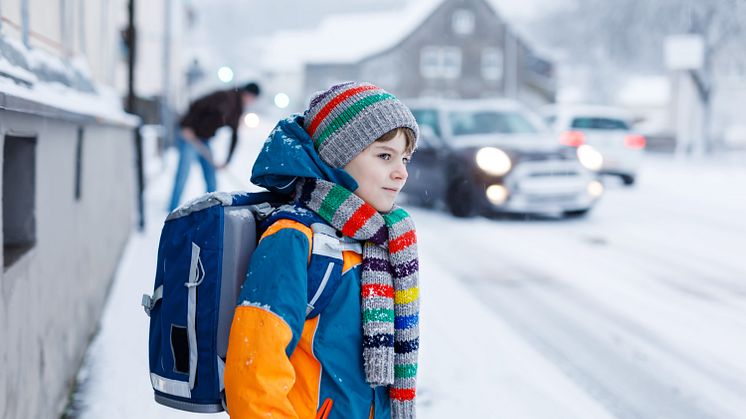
[{"x": 400, "y": 172}]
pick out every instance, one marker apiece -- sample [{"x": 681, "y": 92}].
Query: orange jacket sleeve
[{"x": 267, "y": 325}]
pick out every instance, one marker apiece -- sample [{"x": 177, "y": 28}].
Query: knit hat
[
  {"x": 346, "y": 118},
  {"x": 252, "y": 88}
]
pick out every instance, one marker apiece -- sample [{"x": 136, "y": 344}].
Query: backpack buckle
[
  {"x": 263, "y": 210},
  {"x": 149, "y": 302}
]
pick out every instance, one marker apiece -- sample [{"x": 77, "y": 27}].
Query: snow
[
  {"x": 636, "y": 311},
  {"x": 105, "y": 104},
  {"x": 365, "y": 33}
]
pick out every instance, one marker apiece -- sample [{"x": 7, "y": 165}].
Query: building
[
  {"x": 68, "y": 193},
  {"x": 437, "y": 48}
]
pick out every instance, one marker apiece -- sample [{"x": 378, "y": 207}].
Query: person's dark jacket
[{"x": 208, "y": 113}]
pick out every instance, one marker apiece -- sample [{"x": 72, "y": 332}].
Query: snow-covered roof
[
  {"x": 348, "y": 38},
  {"x": 42, "y": 83},
  {"x": 345, "y": 38}
]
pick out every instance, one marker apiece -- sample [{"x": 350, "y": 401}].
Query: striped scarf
[{"x": 390, "y": 292}]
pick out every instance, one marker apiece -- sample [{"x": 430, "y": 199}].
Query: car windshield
[
  {"x": 427, "y": 117},
  {"x": 489, "y": 122},
  {"x": 599, "y": 123}
]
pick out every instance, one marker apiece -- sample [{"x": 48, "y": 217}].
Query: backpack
[{"x": 203, "y": 256}]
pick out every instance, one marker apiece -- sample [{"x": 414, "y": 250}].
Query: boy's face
[{"x": 380, "y": 172}]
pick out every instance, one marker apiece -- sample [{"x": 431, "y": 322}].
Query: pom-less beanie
[{"x": 346, "y": 118}]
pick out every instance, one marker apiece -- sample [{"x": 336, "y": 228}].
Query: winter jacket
[
  {"x": 279, "y": 364},
  {"x": 218, "y": 109}
]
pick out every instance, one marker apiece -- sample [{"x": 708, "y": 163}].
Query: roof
[{"x": 348, "y": 38}]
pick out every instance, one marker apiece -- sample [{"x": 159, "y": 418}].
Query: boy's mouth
[{"x": 393, "y": 190}]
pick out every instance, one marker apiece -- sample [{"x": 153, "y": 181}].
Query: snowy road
[
  {"x": 642, "y": 305},
  {"x": 637, "y": 311}
]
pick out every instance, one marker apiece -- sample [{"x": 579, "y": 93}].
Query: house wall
[
  {"x": 398, "y": 69},
  {"x": 51, "y": 298}
]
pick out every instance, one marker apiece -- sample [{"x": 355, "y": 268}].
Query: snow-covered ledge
[{"x": 35, "y": 81}]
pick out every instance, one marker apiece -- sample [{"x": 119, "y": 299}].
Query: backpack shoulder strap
[
  {"x": 324, "y": 269},
  {"x": 326, "y": 263}
]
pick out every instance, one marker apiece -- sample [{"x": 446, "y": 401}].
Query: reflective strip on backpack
[
  {"x": 354, "y": 246},
  {"x": 196, "y": 275},
  {"x": 325, "y": 241},
  {"x": 172, "y": 387},
  {"x": 221, "y": 372}
]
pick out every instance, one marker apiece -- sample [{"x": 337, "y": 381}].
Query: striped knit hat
[{"x": 348, "y": 117}]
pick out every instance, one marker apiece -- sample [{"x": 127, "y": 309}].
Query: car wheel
[
  {"x": 576, "y": 213},
  {"x": 461, "y": 198},
  {"x": 628, "y": 180}
]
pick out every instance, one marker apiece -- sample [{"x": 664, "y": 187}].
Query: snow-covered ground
[{"x": 637, "y": 311}]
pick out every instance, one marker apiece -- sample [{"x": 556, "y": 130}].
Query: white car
[
  {"x": 483, "y": 156},
  {"x": 607, "y": 129}
]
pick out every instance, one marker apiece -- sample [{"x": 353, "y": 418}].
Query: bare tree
[{"x": 617, "y": 37}]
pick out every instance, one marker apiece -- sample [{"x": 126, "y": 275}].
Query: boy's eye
[
  {"x": 385, "y": 156},
  {"x": 406, "y": 160}
]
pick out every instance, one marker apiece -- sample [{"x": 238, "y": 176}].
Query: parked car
[
  {"x": 605, "y": 128},
  {"x": 481, "y": 156}
]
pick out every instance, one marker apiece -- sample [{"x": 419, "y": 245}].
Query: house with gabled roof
[{"x": 439, "y": 48}]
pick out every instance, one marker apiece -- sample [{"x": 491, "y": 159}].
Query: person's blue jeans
[{"x": 187, "y": 155}]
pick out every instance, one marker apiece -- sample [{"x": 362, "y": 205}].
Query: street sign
[{"x": 684, "y": 52}]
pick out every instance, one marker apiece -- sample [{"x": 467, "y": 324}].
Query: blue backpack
[{"x": 203, "y": 257}]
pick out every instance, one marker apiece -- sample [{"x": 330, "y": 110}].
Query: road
[
  {"x": 636, "y": 311},
  {"x": 642, "y": 305}
]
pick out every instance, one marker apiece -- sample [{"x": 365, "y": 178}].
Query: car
[
  {"x": 495, "y": 156},
  {"x": 607, "y": 129}
]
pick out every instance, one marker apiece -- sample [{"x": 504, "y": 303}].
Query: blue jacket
[{"x": 279, "y": 363}]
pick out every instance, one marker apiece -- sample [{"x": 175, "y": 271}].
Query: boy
[{"x": 345, "y": 162}]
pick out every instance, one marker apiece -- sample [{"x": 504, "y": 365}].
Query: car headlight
[
  {"x": 493, "y": 161},
  {"x": 595, "y": 188},
  {"x": 590, "y": 158}
]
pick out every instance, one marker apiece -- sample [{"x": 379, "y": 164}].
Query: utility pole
[
  {"x": 166, "y": 106},
  {"x": 131, "y": 40},
  {"x": 25, "y": 24},
  {"x": 511, "y": 63}
]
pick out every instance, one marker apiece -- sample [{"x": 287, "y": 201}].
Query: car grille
[
  {"x": 553, "y": 199},
  {"x": 555, "y": 173}
]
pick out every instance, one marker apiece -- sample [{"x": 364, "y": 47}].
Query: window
[
  {"x": 489, "y": 122},
  {"x": 492, "y": 64},
  {"x": 440, "y": 62},
  {"x": 599, "y": 123},
  {"x": 19, "y": 191},
  {"x": 462, "y": 22},
  {"x": 427, "y": 117},
  {"x": 78, "y": 163}
]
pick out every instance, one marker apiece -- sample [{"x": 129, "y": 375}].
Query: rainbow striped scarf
[{"x": 390, "y": 292}]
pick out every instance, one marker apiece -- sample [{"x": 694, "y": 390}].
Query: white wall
[{"x": 52, "y": 297}]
